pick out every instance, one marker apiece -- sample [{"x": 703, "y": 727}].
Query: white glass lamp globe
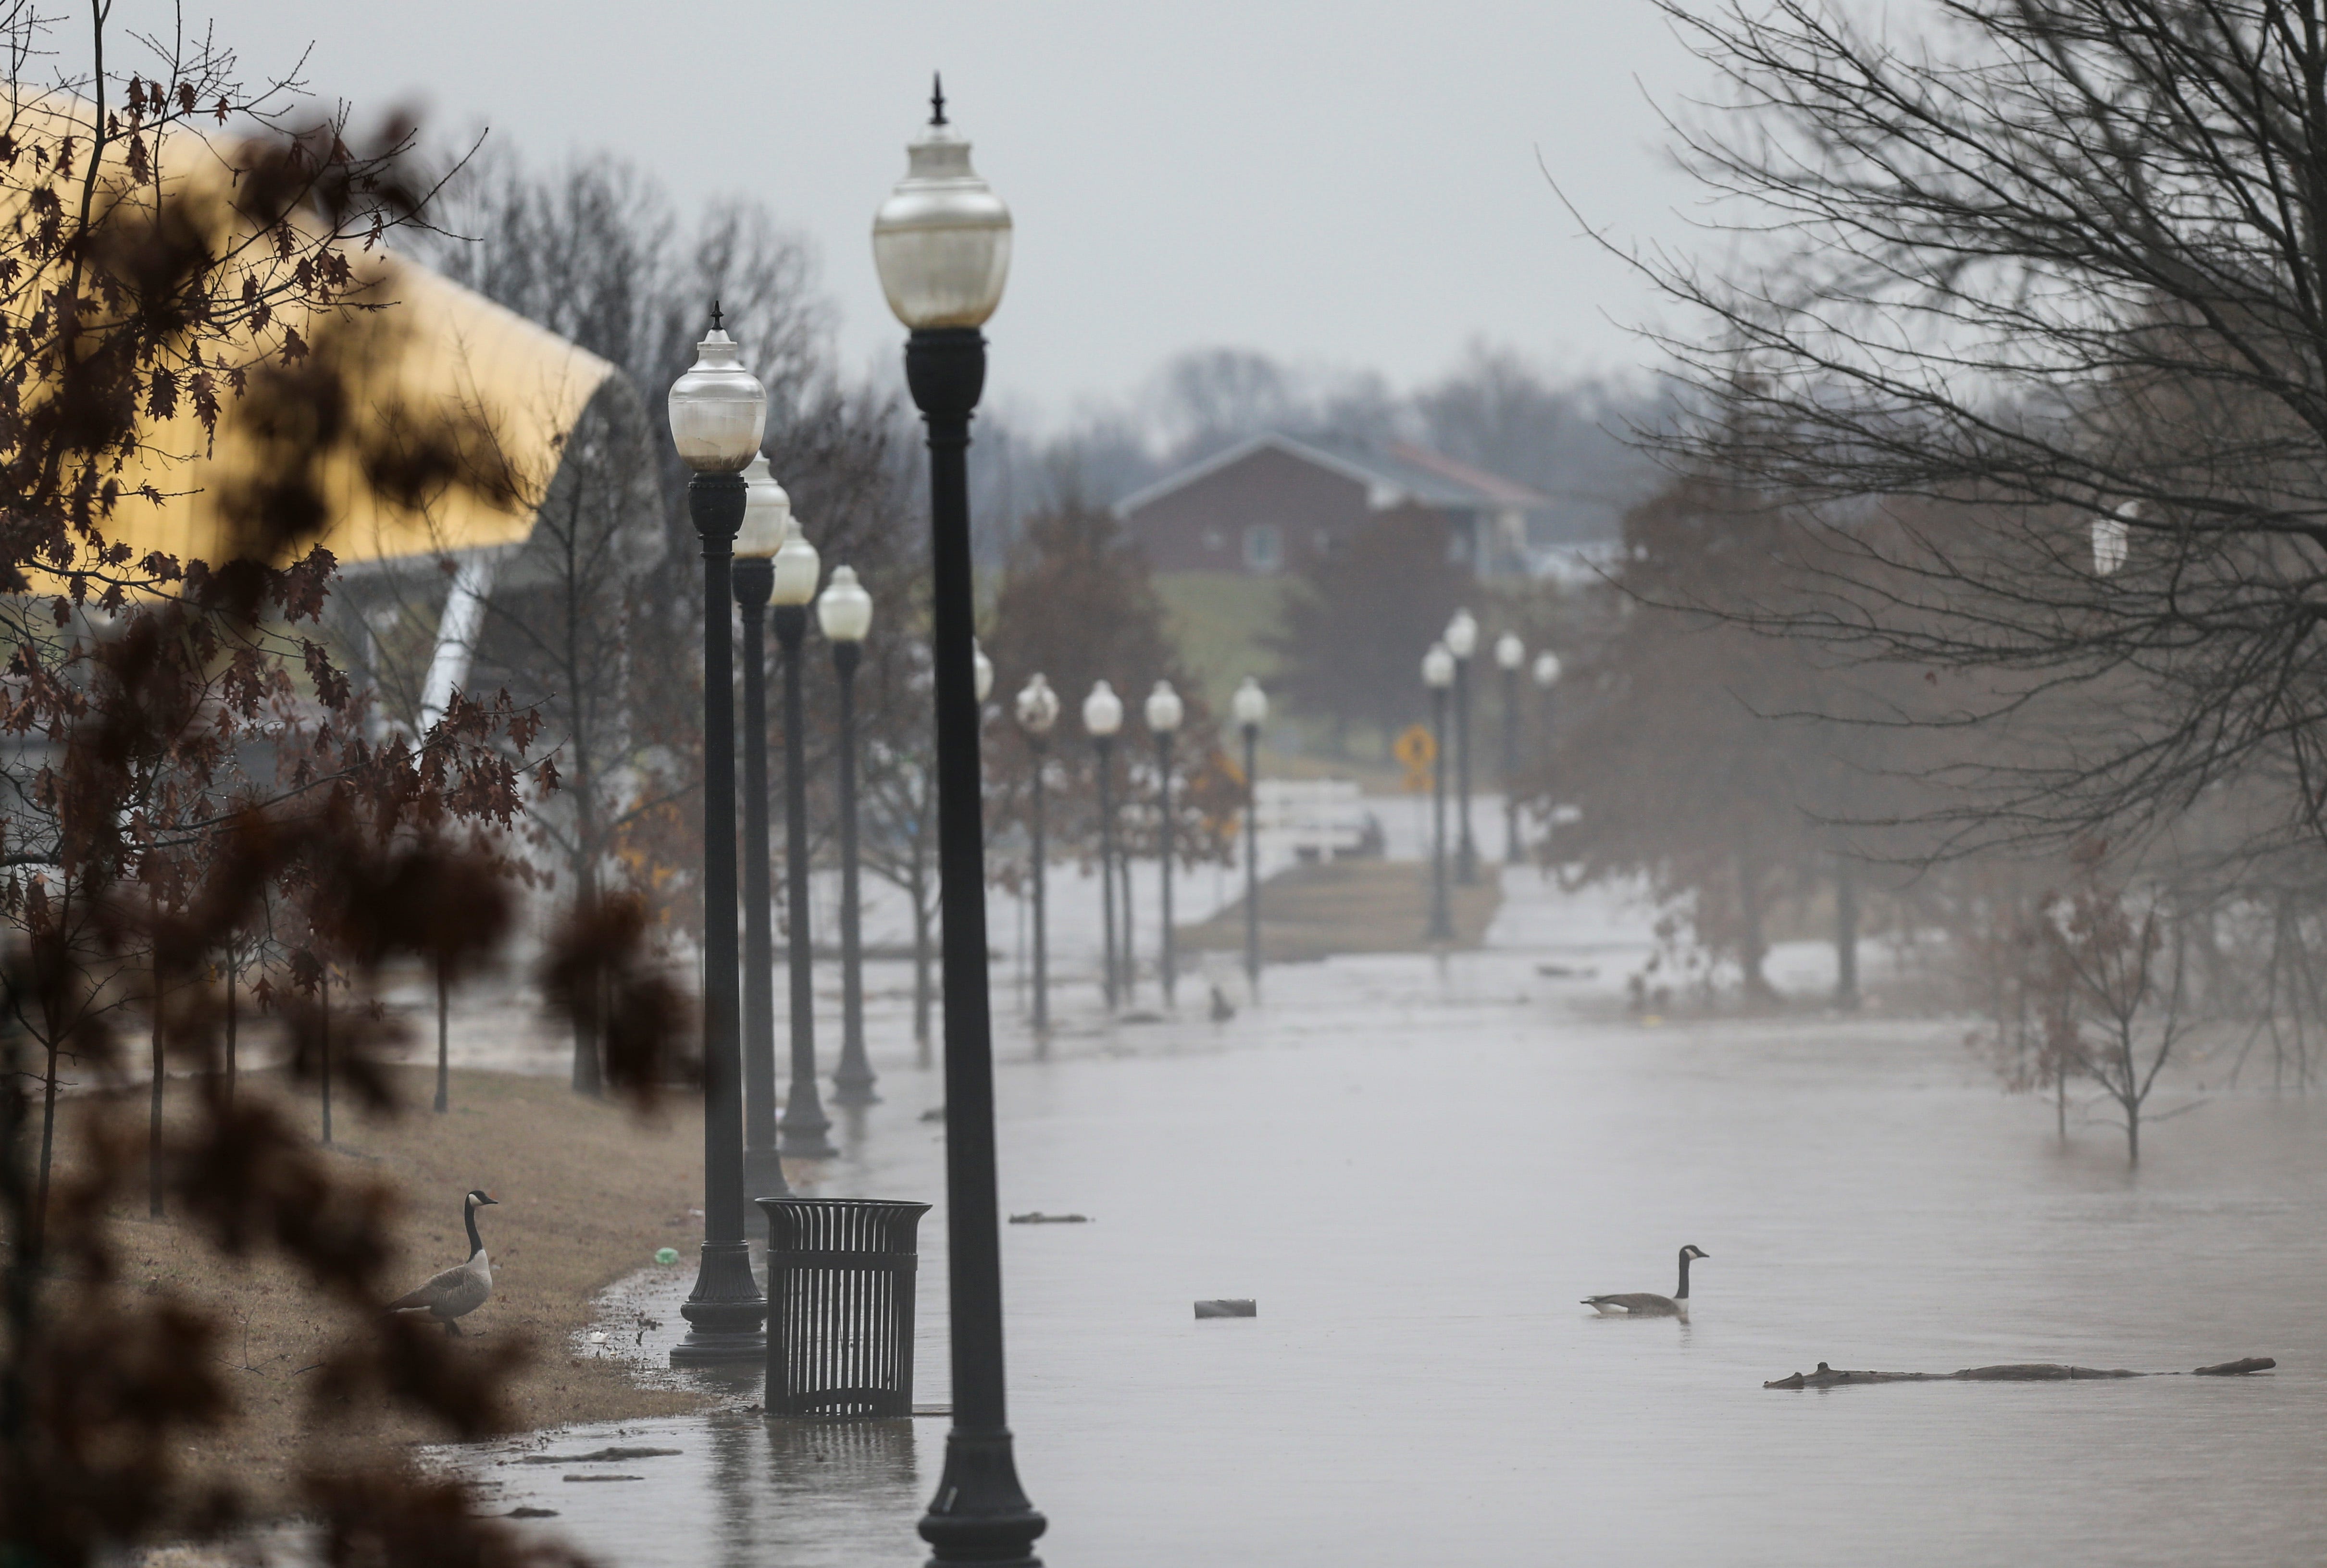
[
  {"x": 982, "y": 670},
  {"x": 1165, "y": 709},
  {"x": 942, "y": 241},
  {"x": 1250, "y": 703},
  {"x": 718, "y": 409},
  {"x": 1546, "y": 669},
  {"x": 843, "y": 611},
  {"x": 767, "y": 511},
  {"x": 1102, "y": 710},
  {"x": 2112, "y": 541},
  {"x": 796, "y": 569},
  {"x": 1462, "y": 634},
  {"x": 1438, "y": 667},
  {"x": 1038, "y": 705},
  {"x": 1509, "y": 651}
]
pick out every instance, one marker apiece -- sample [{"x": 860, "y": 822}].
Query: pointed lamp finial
[
  {"x": 715, "y": 315},
  {"x": 937, "y": 98}
]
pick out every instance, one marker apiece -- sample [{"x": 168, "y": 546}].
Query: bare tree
[{"x": 2014, "y": 279}]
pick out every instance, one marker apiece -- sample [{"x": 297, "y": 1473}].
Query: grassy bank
[{"x": 588, "y": 1191}]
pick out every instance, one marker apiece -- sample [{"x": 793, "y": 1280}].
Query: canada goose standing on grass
[
  {"x": 459, "y": 1290},
  {"x": 1645, "y": 1305}
]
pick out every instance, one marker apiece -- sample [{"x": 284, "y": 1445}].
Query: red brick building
[{"x": 1275, "y": 504}]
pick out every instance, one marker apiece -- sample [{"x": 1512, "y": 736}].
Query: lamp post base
[
  {"x": 726, "y": 1313},
  {"x": 854, "y": 1089},
  {"x": 807, "y": 1140},
  {"x": 981, "y": 1514}
]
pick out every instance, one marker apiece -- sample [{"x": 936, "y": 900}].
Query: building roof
[
  {"x": 440, "y": 352},
  {"x": 1393, "y": 475}
]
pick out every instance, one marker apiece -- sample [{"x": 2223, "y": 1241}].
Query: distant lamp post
[
  {"x": 1164, "y": 712},
  {"x": 1438, "y": 670},
  {"x": 844, "y": 613},
  {"x": 942, "y": 244},
  {"x": 1038, "y": 710},
  {"x": 718, "y": 413},
  {"x": 1462, "y": 640},
  {"x": 1249, "y": 708},
  {"x": 805, "y": 1125},
  {"x": 1102, "y": 719},
  {"x": 1509, "y": 654},
  {"x": 2112, "y": 541},
  {"x": 766, "y": 515},
  {"x": 1546, "y": 676}
]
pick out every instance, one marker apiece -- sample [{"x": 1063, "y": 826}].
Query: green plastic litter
[{"x": 667, "y": 1255}]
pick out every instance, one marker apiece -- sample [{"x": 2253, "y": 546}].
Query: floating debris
[
  {"x": 1226, "y": 1309},
  {"x": 1037, "y": 1217},
  {"x": 666, "y": 1256},
  {"x": 530, "y": 1514},
  {"x": 934, "y": 1113},
  {"x": 603, "y": 1456},
  {"x": 603, "y": 1477},
  {"x": 1826, "y": 1376}
]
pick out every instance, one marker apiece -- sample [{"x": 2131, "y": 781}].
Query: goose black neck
[
  {"x": 477, "y": 1243},
  {"x": 1679, "y": 1295}
]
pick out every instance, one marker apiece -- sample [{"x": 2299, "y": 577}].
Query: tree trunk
[
  {"x": 323, "y": 1034},
  {"x": 1846, "y": 932},
  {"x": 2061, "y": 1101},
  {"x": 233, "y": 968},
  {"x": 48, "y": 1143},
  {"x": 1753, "y": 946},
  {"x": 589, "y": 1070},
  {"x": 154, "y": 1122},
  {"x": 444, "y": 1041}
]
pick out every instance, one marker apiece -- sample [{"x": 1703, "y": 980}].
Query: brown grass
[
  {"x": 588, "y": 1192},
  {"x": 1308, "y": 912}
]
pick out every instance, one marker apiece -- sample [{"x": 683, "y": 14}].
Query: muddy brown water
[{"x": 1417, "y": 1170}]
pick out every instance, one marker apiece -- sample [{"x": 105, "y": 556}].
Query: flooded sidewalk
[{"x": 1416, "y": 1168}]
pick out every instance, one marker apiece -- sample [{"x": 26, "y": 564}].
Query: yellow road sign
[{"x": 1415, "y": 748}]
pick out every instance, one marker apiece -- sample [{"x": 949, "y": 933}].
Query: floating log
[{"x": 1826, "y": 1376}]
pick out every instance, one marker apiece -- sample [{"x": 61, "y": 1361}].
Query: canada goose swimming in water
[
  {"x": 1644, "y": 1304},
  {"x": 457, "y": 1291}
]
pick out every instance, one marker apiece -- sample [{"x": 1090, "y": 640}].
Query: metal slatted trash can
[{"x": 840, "y": 1306}]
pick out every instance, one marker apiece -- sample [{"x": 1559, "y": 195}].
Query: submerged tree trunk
[
  {"x": 1752, "y": 945},
  {"x": 1846, "y": 931}
]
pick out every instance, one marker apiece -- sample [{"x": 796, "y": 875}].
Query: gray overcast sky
[{"x": 1349, "y": 184}]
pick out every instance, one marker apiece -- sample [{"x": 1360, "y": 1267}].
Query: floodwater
[{"x": 1416, "y": 1168}]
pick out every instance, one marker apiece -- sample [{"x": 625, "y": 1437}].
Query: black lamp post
[
  {"x": 1509, "y": 654},
  {"x": 1038, "y": 710},
  {"x": 718, "y": 412},
  {"x": 942, "y": 244},
  {"x": 844, "y": 612},
  {"x": 1102, "y": 717},
  {"x": 1462, "y": 640},
  {"x": 1163, "y": 712},
  {"x": 1250, "y": 707},
  {"x": 1438, "y": 673},
  {"x": 795, "y": 570},
  {"x": 767, "y": 511}
]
